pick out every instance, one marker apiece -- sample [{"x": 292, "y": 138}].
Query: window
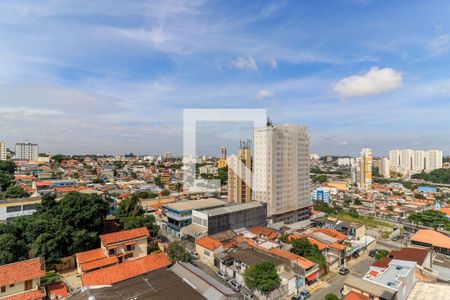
[
  {"x": 16, "y": 208},
  {"x": 29, "y": 207},
  {"x": 206, "y": 252},
  {"x": 11, "y": 285},
  {"x": 3, "y": 289},
  {"x": 129, "y": 255},
  {"x": 130, "y": 247},
  {"x": 112, "y": 251},
  {"x": 28, "y": 285}
]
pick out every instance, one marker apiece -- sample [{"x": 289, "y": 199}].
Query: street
[{"x": 357, "y": 268}]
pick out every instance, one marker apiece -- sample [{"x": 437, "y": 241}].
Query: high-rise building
[
  {"x": 240, "y": 175},
  {"x": 222, "y": 162},
  {"x": 385, "y": 167},
  {"x": 2, "y": 150},
  {"x": 27, "y": 151},
  {"x": 281, "y": 172},
  {"x": 362, "y": 170},
  {"x": 408, "y": 162}
]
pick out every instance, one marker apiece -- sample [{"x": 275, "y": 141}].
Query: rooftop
[
  {"x": 232, "y": 208},
  {"x": 410, "y": 254},
  {"x": 195, "y": 204},
  {"x": 432, "y": 237},
  {"x": 99, "y": 263},
  {"x": 355, "y": 296},
  {"x": 251, "y": 257},
  {"x": 429, "y": 291},
  {"x": 29, "y": 295},
  {"x": 21, "y": 271},
  {"x": 90, "y": 255},
  {"x": 125, "y": 235},
  {"x": 390, "y": 276},
  {"x": 208, "y": 243},
  {"x": 125, "y": 270},
  {"x": 159, "y": 284},
  {"x": 370, "y": 287}
]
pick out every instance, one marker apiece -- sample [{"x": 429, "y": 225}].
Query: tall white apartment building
[
  {"x": 2, "y": 150},
  {"x": 27, "y": 151},
  {"x": 408, "y": 162},
  {"x": 385, "y": 167},
  {"x": 281, "y": 172},
  {"x": 345, "y": 161}
]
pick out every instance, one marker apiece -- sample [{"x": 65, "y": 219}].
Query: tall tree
[{"x": 262, "y": 276}]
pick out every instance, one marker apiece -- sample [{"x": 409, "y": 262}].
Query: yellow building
[{"x": 239, "y": 181}]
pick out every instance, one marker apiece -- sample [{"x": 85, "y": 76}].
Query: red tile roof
[
  {"x": 383, "y": 263},
  {"x": 373, "y": 273},
  {"x": 43, "y": 183},
  {"x": 30, "y": 295},
  {"x": 318, "y": 243},
  {"x": 99, "y": 263},
  {"x": 125, "y": 270},
  {"x": 355, "y": 296},
  {"x": 69, "y": 189},
  {"x": 21, "y": 271},
  {"x": 410, "y": 254},
  {"x": 117, "y": 237},
  {"x": 446, "y": 210},
  {"x": 337, "y": 246},
  {"x": 332, "y": 232},
  {"x": 90, "y": 255},
  {"x": 432, "y": 237},
  {"x": 209, "y": 243},
  {"x": 57, "y": 289},
  {"x": 269, "y": 233},
  {"x": 301, "y": 261}
]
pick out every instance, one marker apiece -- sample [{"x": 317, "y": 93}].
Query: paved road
[{"x": 334, "y": 285}]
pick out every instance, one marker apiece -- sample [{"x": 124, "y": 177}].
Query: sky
[{"x": 114, "y": 77}]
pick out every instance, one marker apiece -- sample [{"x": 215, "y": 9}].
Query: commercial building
[
  {"x": 179, "y": 214},
  {"x": 440, "y": 243},
  {"x": 2, "y": 150},
  {"x": 281, "y": 172},
  {"x": 231, "y": 217},
  {"x": 408, "y": 162},
  {"x": 27, "y": 151},
  {"x": 345, "y": 161},
  {"x": 362, "y": 170},
  {"x": 321, "y": 195},
  {"x": 240, "y": 175}
]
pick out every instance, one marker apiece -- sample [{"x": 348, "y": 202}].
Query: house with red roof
[
  {"x": 207, "y": 248},
  {"x": 115, "y": 248},
  {"x": 22, "y": 280},
  {"x": 125, "y": 270}
]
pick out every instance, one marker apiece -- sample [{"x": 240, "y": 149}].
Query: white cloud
[
  {"x": 439, "y": 44},
  {"x": 263, "y": 94},
  {"x": 273, "y": 63},
  {"x": 245, "y": 63},
  {"x": 374, "y": 81}
]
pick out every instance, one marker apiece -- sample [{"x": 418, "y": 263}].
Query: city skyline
[{"x": 104, "y": 78}]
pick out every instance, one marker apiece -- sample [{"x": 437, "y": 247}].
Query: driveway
[{"x": 335, "y": 283}]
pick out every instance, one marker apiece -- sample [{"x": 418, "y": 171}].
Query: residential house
[
  {"x": 22, "y": 280},
  {"x": 207, "y": 249},
  {"x": 115, "y": 248},
  {"x": 431, "y": 239}
]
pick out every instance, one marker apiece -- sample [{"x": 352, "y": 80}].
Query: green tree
[
  {"x": 5, "y": 180},
  {"x": 178, "y": 187},
  {"x": 7, "y": 166},
  {"x": 390, "y": 208},
  {"x": 304, "y": 248},
  {"x": 11, "y": 249},
  {"x": 284, "y": 238},
  {"x": 159, "y": 183},
  {"x": 177, "y": 252},
  {"x": 357, "y": 202},
  {"x": 262, "y": 276},
  {"x": 331, "y": 296},
  {"x": 165, "y": 192},
  {"x": 382, "y": 253},
  {"x": 15, "y": 191}
]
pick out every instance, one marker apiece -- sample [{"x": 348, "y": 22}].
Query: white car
[{"x": 222, "y": 276}]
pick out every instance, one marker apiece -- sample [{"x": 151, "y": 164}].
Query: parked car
[
  {"x": 302, "y": 295},
  {"x": 395, "y": 238},
  {"x": 234, "y": 285},
  {"x": 222, "y": 276},
  {"x": 247, "y": 294},
  {"x": 195, "y": 255},
  {"x": 373, "y": 252},
  {"x": 344, "y": 271}
]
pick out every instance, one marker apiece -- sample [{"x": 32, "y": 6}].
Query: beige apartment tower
[
  {"x": 240, "y": 175},
  {"x": 2, "y": 150},
  {"x": 281, "y": 172}
]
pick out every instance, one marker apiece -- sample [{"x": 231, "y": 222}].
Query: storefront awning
[{"x": 311, "y": 276}]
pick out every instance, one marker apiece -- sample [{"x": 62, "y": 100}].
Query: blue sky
[{"x": 114, "y": 76}]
